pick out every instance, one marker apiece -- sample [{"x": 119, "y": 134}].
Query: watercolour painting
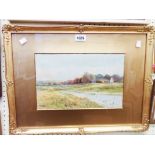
[{"x": 79, "y": 81}]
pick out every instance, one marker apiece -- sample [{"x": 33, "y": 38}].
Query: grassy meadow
[
  {"x": 97, "y": 87},
  {"x": 53, "y": 97}
]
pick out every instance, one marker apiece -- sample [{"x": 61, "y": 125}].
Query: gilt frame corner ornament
[{"x": 81, "y": 129}]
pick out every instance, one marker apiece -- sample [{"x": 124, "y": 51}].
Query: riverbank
[{"x": 88, "y": 96}]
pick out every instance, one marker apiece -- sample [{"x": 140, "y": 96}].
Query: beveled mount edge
[
  {"x": 80, "y": 130},
  {"x": 80, "y": 28}
]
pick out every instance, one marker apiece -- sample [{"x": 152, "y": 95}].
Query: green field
[
  {"x": 52, "y": 97},
  {"x": 97, "y": 87}
]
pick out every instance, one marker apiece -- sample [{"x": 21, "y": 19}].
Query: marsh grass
[
  {"x": 97, "y": 87},
  {"x": 52, "y": 97}
]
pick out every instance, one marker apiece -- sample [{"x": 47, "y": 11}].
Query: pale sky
[{"x": 62, "y": 67}]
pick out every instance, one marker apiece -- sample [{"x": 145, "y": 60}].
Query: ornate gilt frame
[
  {"x": 78, "y": 28},
  {"x": 152, "y": 114}
]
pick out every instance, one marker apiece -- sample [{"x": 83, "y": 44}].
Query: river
[{"x": 108, "y": 101}]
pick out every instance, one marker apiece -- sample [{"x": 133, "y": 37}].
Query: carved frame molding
[{"x": 109, "y": 28}]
